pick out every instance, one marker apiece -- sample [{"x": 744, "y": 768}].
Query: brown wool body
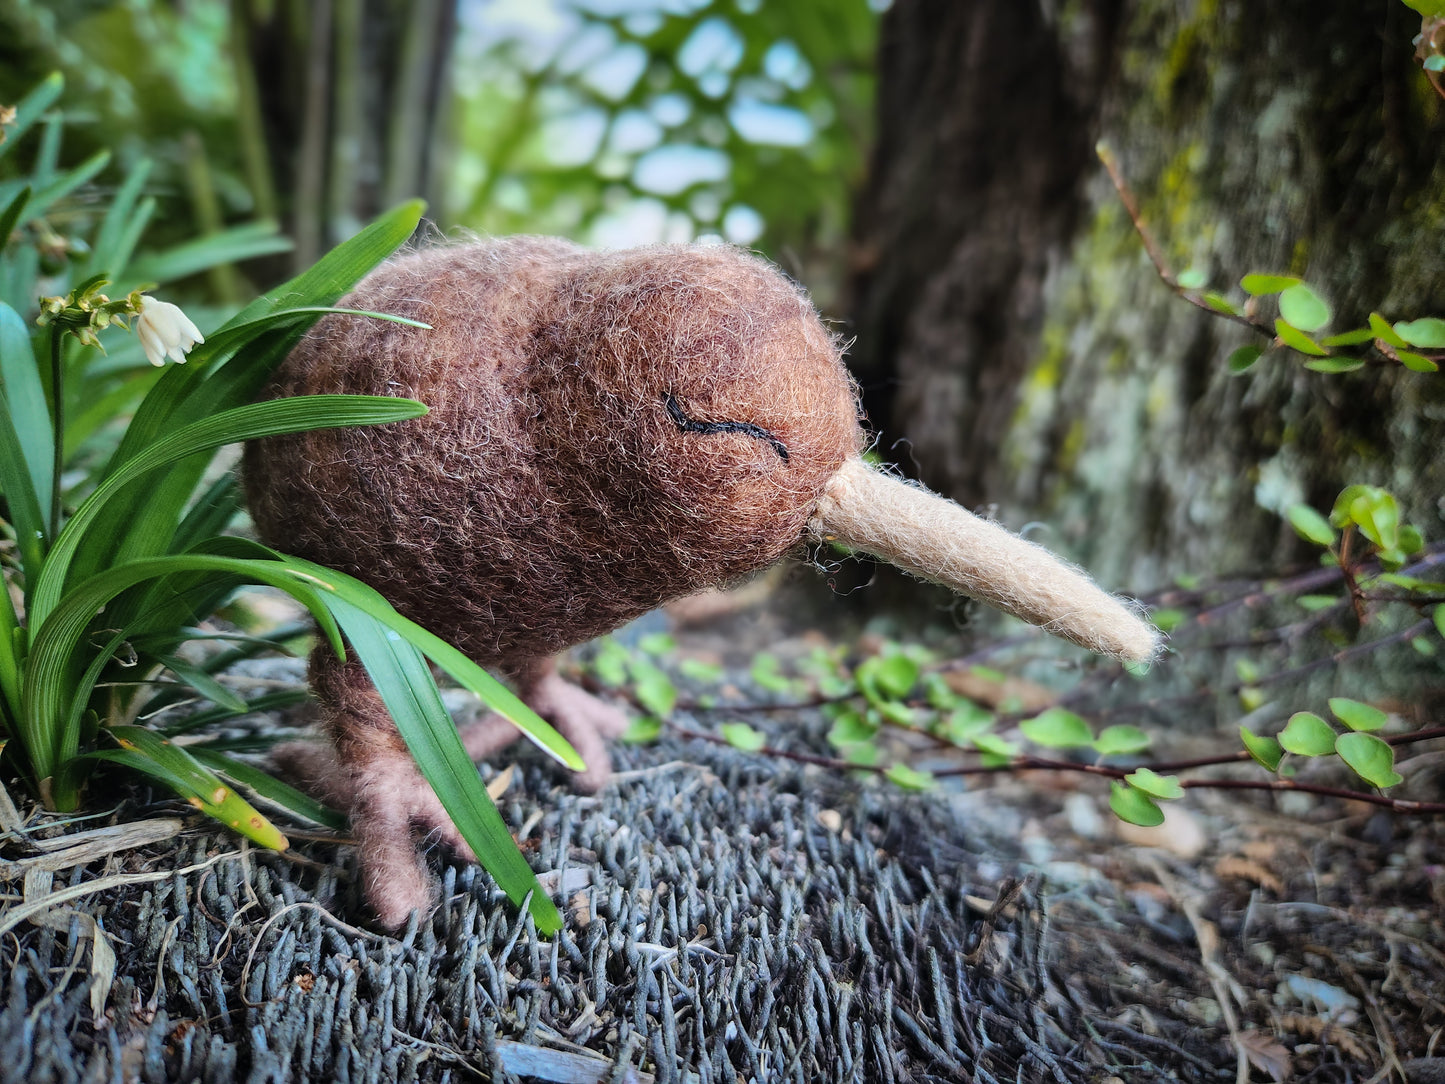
[{"x": 606, "y": 432}]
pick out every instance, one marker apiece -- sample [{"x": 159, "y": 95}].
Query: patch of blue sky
[
  {"x": 670, "y": 170},
  {"x": 765, "y": 124}
]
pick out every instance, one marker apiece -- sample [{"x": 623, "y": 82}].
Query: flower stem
[{"x": 57, "y": 396}]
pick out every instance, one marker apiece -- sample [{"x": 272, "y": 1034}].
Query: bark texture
[{"x": 1028, "y": 350}]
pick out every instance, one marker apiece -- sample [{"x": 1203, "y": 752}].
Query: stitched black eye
[{"x": 692, "y": 425}]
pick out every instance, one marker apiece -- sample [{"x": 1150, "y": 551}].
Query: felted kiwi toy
[{"x": 607, "y": 431}]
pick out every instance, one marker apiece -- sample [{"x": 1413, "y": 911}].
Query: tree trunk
[
  {"x": 1011, "y": 327},
  {"x": 342, "y": 109}
]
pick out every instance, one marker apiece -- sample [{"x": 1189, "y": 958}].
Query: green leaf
[
  {"x": 30, "y": 108},
  {"x": 910, "y": 778},
  {"x": 1057, "y": 728},
  {"x": 1377, "y": 514},
  {"x": 1191, "y": 279},
  {"x": 1340, "y": 513},
  {"x": 886, "y": 676},
  {"x": 1301, "y": 307},
  {"x": 1307, "y": 735},
  {"x": 1166, "y": 619},
  {"x": 1353, "y": 337},
  {"x": 45, "y": 196},
  {"x": 1266, "y": 751},
  {"x": 1155, "y": 785},
  {"x": 1243, "y": 359},
  {"x": 203, "y": 683},
  {"x": 1357, "y": 716},
  {"x": 1121, "y": 740},
  {"x": 850, "y": 728},
  {"x": 1417, "y": 363},
  {"x": 657, "y": 644},
  {"x": 1384, "y": 332},
  {"x": 1219, "y": 303},
  {"x": 25, "y": 468},
  {"x": 1427, "y": 8},
  {"x": 938, "y": 692},
  {"x": 1369, "y": 757},
  {"x": 400, "y": 675},
  {"x": 1134, "y": 806},
  {"x": 11, "y": 215},
  {"x": 1261, "y": 285},
  {"x": 653, "y": 688},
  {"x": 234, "y": 245},
  {"x": 704, "y": 673},
  {"x": 1434, "y": 63},
  {"x": 767, "y": 673},
  {"x": 1428, "y": 333},
  {"x": 996, "y": 751},
  {"x": 965, "y": 721},
  {"x": 1334, "y": 365},
  {"x": 191, "y": 779},
  {"x": 1296, "y": 339},
  {"x": 1310, "y": 525},
  {"x": 1316, "y": 603},
  {"x": 610, "y": 663},
  {"x": 230, "y": 426},
  {"x": 270, "y": 788},
  {"x": 1438, "y": 614},
  {"x": 641, "y": 731},
  {"x": 741, "y": 736}
]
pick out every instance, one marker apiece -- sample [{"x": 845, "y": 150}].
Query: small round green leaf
[
  {"x": 966, "y": 720},
  {"x": 996, "y": 751},
  {"x": 1258, "y": 285},
  {"x": 1134, "y": 806},
  {"x": 1155, "y": 785},
  {"x": 643, "y": 730},
  {"x": 1192, "y": 279},
  {"x": 1357, "y": 716},
  {"x": 1334, "y": 365},
  {"x": 1428, "y": 333},
  {"x": 1121, "y": 740},
  {"x": 1303, "y": 308},
  {"x": 897, "y": 674},
  {"x": 1316, "y": 603},
  {"x": 1307, "y": 735},
  {"x": 1166, "y": 619},
  {"x": 741, "y": 736},
  {"x": 1057, "y": 728},
  {"x": 1296, "y": 339},
  {"x": 1417, "y": 363},
  {"x": 653, "y": 689},
  {"x": 910, "y": 778},
  {"x": 1369, "y": 757},
  {"x": 1384, "y": 332},
  {"x": 1310, "y": 525},
  {"x": 850, "y": 728},
  {"x": 1266, "y": 751},
  {"x": 1244, "y": 358},
  {"x": 1353, "y": 337},
  {"x": 1219, "y": 303}
]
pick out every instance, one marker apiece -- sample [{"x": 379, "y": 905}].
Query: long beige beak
[{"x": 938, "y": 540}]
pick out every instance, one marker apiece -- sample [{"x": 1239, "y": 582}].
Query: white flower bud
[{"x": 165, "y": 331}]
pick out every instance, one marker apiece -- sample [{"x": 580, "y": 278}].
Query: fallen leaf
[{"x": 1267, "y": 1054}]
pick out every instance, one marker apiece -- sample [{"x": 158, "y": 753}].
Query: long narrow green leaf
[
  {"x": 11, "y": 215},
  {"x": 229, "y": 427},
  {"x": 270, "y": 788},
  {"x": 286, "y": 698},
  {"x": 10, "y": 645},
  {"x": 203, "y": 683},
  {"x": 25, "y": 514},
  {"x": 229, "y": 246},
  {"x": 200, "y": 786},
  {"x": 42, "y": 198},
  {"x": 109, "y": 238},
  {"x": 29, "y": 411},
  {"x": 29, "y": 109},
  {"x": 471, "y": 676},
  {"x": 47, "y": 687},
  {"x": 400, "y": 674}
]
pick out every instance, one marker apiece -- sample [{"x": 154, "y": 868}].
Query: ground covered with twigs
[{"x": 750, "y": 916}]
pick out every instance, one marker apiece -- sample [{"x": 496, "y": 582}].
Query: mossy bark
[{"x": 1293, "y": 137}]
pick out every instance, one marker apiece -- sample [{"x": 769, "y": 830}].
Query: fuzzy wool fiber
[{"x": 551, "y": 494}]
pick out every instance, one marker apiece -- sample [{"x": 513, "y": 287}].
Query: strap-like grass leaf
[
  {"x": 467, "y": 673},
  {"x": 29, "y": 109},
  {"x": 400, "y": 675},
  {"x": 106, "y": 256},
  {"x": 44, "y": 196},
  {"x": 229, "y": 427},
  {"x": 270, "y": 788},
  {"x": 148, "y": 752},
  {"x": 229, "y": 246},
  {"x": 276, "y": 701},
  {"x": 28, "y": 409},
  {"x": 11, "y": 215},
  {"x": 203, "y": 683}
]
